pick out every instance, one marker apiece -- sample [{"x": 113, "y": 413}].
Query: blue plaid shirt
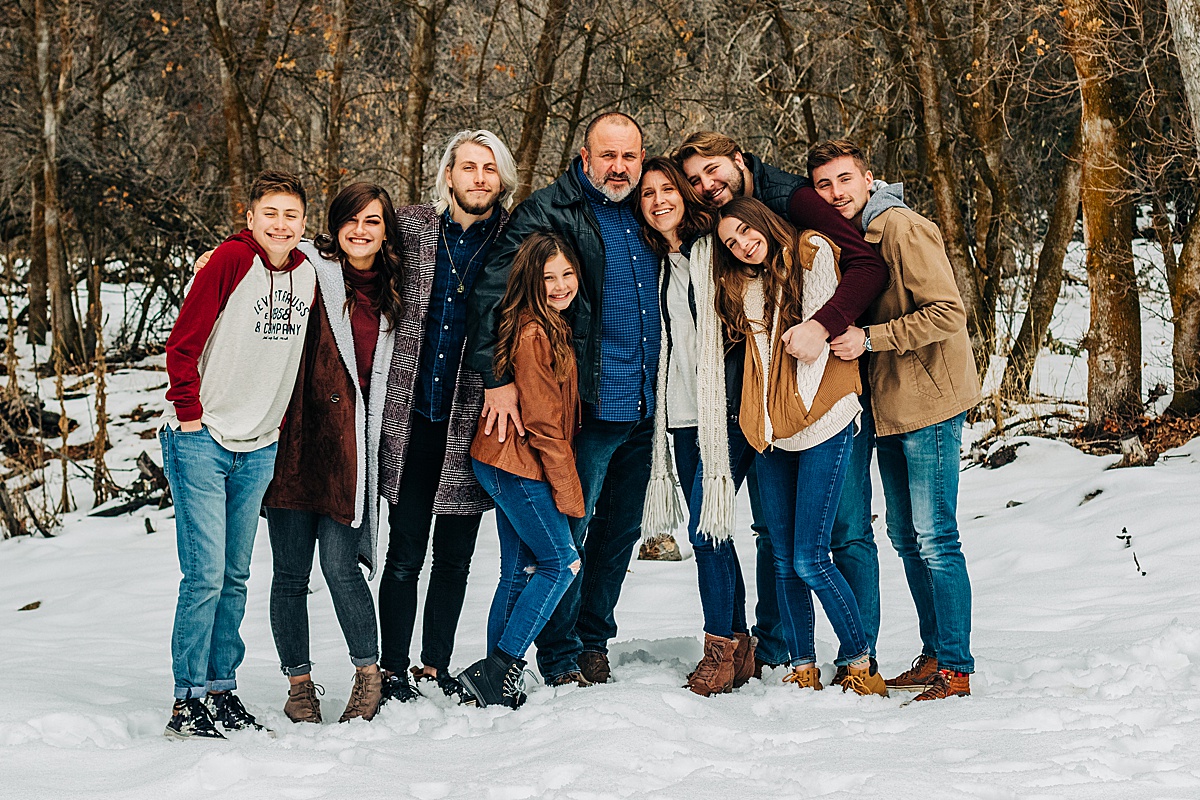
[
  {"x": 630, "y": 326},
  {"x": 446, "y": 325}
]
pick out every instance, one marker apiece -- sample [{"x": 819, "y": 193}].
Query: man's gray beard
[
  {"x": 612, "y": 194},
  {"x": 474, "y": 210}
]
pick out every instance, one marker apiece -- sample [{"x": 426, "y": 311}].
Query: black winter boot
[{"x": 497, "y": 680}]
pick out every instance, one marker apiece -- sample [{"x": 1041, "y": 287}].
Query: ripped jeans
[{"x": 538, "y": 559}]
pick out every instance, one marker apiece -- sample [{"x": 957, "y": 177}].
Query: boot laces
[{"x": 514, "y": 682}]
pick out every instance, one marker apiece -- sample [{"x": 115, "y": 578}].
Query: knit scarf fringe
[{"x": 662, "y": 513}]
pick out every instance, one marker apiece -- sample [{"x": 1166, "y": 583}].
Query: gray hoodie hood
[{"x": 883, "y": 196}]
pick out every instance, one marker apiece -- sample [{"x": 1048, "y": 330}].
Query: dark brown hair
[
  {"x": 272, "y": 181},
  {"x": 821, "y": 154},
  {"x": 697, "y": 219},
  {"x": 526, "y": 296},
  {"x": 708, "y": 144},
  {"x": 344, "y": 207},
  {"x": 780, "y": 270}
]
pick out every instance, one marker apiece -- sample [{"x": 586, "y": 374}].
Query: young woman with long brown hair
[
  {"x": 800, "y": 416},
  {"x": 532, "y": 477},
  {"x": 698, "y": 395}
]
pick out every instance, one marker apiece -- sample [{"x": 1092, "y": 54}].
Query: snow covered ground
[{"x": 1088, "y": 681}]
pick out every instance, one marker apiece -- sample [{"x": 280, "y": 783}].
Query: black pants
[{"x": 453, "y": 545}]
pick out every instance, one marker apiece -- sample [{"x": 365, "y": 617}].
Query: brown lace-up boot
[
  {"x": 594, "y": 666},
  {"x": 302, "y": 704},
  {"x": 661, "y": 548},
  {"x": 714, "y": 673},
  {"x": 864, "y": 680},
  {"x": 743, "y": 659},
  {"x": 805, "y": 677},
  {"x": 366, "y": 695},
  {"x": 946, "y": 683},
  {"x": 917, "y": 676}
]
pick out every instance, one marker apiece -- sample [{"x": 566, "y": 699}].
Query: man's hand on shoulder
[
  {"x": 805, "y": 342},
  {"x": 849, "y": 345},
  {"x": 501, "y": 406},
  {"x": 202, "y": 260}
]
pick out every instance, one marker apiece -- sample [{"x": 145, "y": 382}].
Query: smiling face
[
  {"x": 562, "y": 283},
  {"x": 747, "y": 244},
  {"x": 844, "y": 185},
  {"x": 277, "y": 222},
  {"x": 474, "y": 179},
  {"x": 718, "y": 179},
  {"x": 612, "y": 158},
  {"x": 361, "y": 236},
  {"x": 662, "y": 205}
]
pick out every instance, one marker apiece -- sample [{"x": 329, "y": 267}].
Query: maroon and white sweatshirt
[{"x": 233, "y": 354}]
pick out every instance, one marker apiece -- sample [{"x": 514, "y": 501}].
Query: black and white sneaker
[
  {"x": 396, "y": 686},
  {"x": 228, "y": 710},
  {"x": 190, "y": 718}
]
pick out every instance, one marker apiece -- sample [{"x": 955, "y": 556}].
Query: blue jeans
[
  {"x": 800, "y": 491},
  {"x": 613, "y": 461},
  {"x": 217, "y": 495},
  {"x": 722, "y": 590},
  {"x": 920, "y": 483},
  {"x": 852, "y": 540},
  {"x": 537, "y": 555},
  {"x": 768, "y": 627},
  {"x": 294, "y": 536}
]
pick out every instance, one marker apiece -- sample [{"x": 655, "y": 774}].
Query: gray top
[{"x": 681, "y": 375}]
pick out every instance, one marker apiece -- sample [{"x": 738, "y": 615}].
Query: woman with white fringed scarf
[{"x": 698, "y": 395}]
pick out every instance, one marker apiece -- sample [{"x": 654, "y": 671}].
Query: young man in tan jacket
[{"x": 922, "y": 382}]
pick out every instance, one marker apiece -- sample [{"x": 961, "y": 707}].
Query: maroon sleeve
[
  {"x": 204, "y": 303},
  {"x": 864, "y": 274}
]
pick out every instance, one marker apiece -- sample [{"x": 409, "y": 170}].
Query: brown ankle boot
[
  {"x": 946, "y": 683},
  {"x": 917, "y": 676},
  {"x": 302, "y": 704},
  {"x": 863, "y": 681},
  {"x": 714, "y": 673},
  {"x": 805, "y": 677},
  {"x": 743, "y": 659},
  {"x": 365, "y": 696}
]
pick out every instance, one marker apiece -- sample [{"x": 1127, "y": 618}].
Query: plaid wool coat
[{"x": 458, "y": 492}]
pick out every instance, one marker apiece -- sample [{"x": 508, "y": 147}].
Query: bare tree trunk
[
  {"x": 38, "y": 321},
  {"x": 581, "y": 83},
  {"x": 537, "y": 103},
  {"x": 421, "y": 61},
  {"x": 67, "y": 341},
  {"x": 938, "y": 141},
  {"x": 1185, "y": 307},
  {"x": 1185, "y": 30},
  {"x": 1047, "y": 283},
  {"x": 339, "y": 47},
  {"x": 1114, "y": 338},
  {"x": 102, "y": 483}
]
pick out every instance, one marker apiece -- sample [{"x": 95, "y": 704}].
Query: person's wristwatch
[{"x": 867, "y": 339}]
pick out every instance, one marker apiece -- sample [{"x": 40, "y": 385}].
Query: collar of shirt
[
  {"x": 598, "y": 197},
  {"x": 479, "y": 228}
]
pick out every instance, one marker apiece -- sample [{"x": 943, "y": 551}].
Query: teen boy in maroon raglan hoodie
[{"x": 232, "y": 359}]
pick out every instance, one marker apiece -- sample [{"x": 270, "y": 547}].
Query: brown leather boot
[
  {"x": 302, "y": 704},
  {"x": 946, "y": 683},
  {"x": 863, "y": 681},
  {"x": 594, "y": 666},
  {"x": 917, "y": 676},
  {"x": 714, "y": 673},
  {"x": 805, "y": 677},
  {"x": 366, "y": 695},
  {"x": 743, "y": 659},
  {"x": 661, "y": 548}
]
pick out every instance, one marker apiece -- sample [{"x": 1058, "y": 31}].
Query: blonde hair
[{"x": 506, "y": 165}]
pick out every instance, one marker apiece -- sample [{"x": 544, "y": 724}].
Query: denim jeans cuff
[
  {"x": 300, "y": 669},
  {"x": 841, "y": 662},
  {"x": 227, "y": 685},
  {"x": 188, "y": 692},
  {"x": 798, "y": 660},
  {"x": 365, "y": 661},
  {"x": 969, "y": 670}
]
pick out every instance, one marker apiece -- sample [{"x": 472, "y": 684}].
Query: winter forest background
[{"x": 1056, "y": 145}]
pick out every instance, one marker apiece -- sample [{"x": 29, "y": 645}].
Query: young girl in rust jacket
[
  {"x": 532, "y": 478},
  {"x": 326, "y": 469}
]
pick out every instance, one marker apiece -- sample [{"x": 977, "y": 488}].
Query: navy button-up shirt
[
  {"x": 630, "y": 326},
  {"x": 446, "y": 324}
]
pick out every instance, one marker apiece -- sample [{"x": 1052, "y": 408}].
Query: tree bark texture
[
  {"x": 1114, "y": 338},
  {"x": 537, "y": 103},
  {"x": 1185, "y": 30},
  {"x": 38, "y": 322},
  {"x": 339, "y": 46},
  {"x": 1047, "y": 282},
  {"x": 420, "y": 84}
]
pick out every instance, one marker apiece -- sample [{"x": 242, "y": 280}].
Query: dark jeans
[
  {"x": 722, "y": 589},
  {"x": 768, "y": 627},
  {"x": 453, "y": 545},
  {"x": 920, "y": 482},
  {"x": 852, "y": 540},
  {"x": 537, "y": 554},
  {"x": 802, "y": 490},
  {"x": 294, "y": 536},
  {"x": 613, "y": 460}
]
